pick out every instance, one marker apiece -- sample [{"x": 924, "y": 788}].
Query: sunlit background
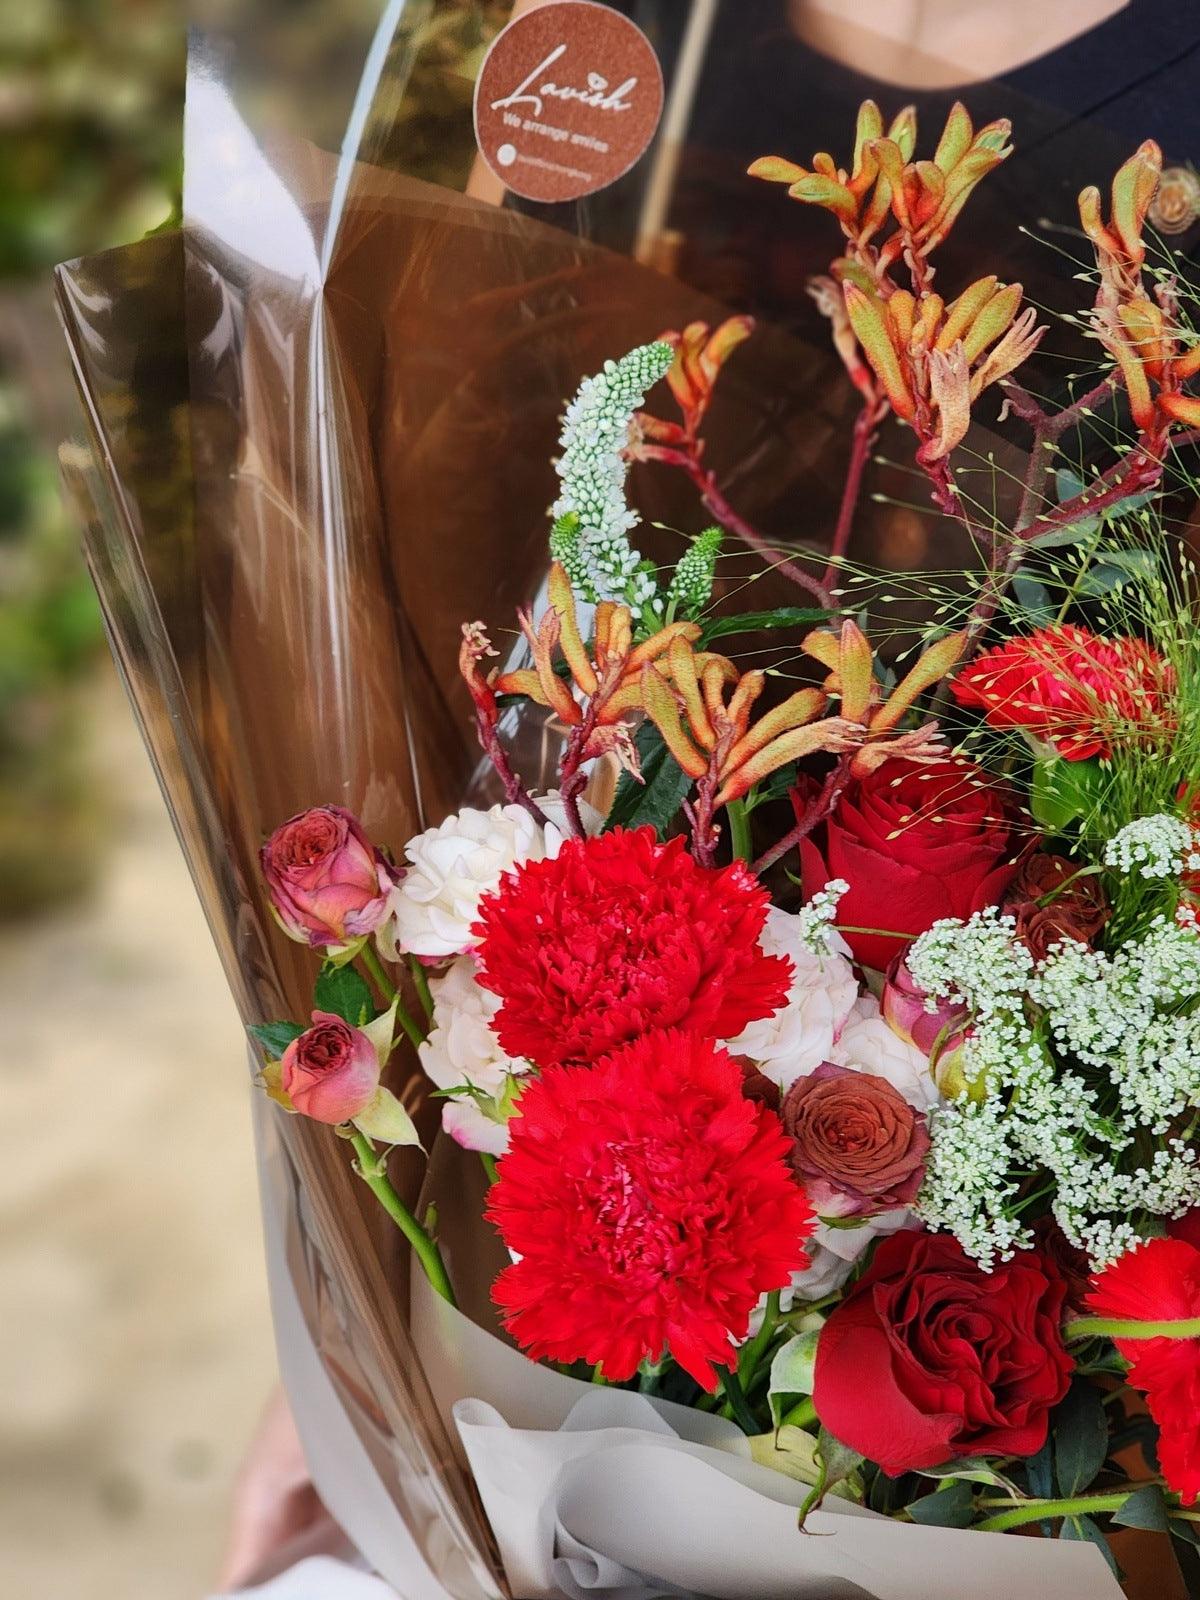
[{"x": 134, "y": 1336}]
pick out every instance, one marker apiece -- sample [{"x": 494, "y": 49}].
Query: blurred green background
[
  {"x": 91, "y": 105},
  {"x": 135, "y": 1345}
]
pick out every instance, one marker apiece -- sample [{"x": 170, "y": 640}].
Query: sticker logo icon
[{"x": 568, "y": 98}]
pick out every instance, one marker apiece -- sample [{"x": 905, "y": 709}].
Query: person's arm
[{"x": 277, "y": 1517}]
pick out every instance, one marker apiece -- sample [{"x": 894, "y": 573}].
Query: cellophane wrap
[{"x": 320, "y": 429}]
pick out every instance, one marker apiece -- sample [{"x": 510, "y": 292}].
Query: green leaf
[
  {"x": 1063, "y": 791},
  {"x": 792, "y": 1371},
  {"x": 758, "y": 621},
  {"x": 1115, "y": 568},
  {"x": 386, "y": 1120},
  {"x": 837, "y": 1463},
  {"x": 1060, "y": 538},
  {"x": 1033, "y": 596},
  {"x": 1040, "y": 1471},
  {"x": 275, "y": 1036},
  {"x": 1067, "y": 484},
  {"x": 1145, "y": 1508},
  {"x": 1080, "y": 1433},
  {"x": 776, "y": 787},
  {"x": 658, "y": 797},
  {"x": 345, "y": 993},
  {"x": 791, "y": 1451},
  {"x": 1084, "y": 1528},
  {"x": 271, "y": 1080},
  {"x": 971, "y": 1469},
  {"x": 951, "y": 1507}
]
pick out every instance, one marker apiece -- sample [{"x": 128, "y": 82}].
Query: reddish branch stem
[
  {"x": 715, "y": 502},
  {"x": 515, "y": 792},
  {"x": 815, "y": 813},
  {"x": 866, "y": 426}
]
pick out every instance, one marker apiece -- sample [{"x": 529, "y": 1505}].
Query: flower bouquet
[{"x": 777, "y": 1060}]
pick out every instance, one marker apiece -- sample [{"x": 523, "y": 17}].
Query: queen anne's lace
[
  {"x": 1161, "y": 846},
  {"x": 592, "y": 519},
  {"x": 1072, "y": 1065}
]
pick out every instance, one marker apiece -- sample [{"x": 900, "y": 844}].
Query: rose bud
[
  {"x": 331, "y": 1072},
  {"x": 329, "y": 885},
  {"x": 930, "y": 1026},
  {"x": 858, "y": 1147}
]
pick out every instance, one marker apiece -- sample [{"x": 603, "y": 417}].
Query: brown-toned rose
[
  {"x": 1077, "y": 911},
  {"x": 329, "y": 885},
  {"x": 858, "y": 1147},
  {"x": 1073, "y": 1265}
]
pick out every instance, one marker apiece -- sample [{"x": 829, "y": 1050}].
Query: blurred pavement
[{"x": 135, "y": 1347}]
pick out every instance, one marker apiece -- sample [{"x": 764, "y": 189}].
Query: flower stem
[
  {"x": 421, "y": 984},
  {"x": 1081, "y": 1505},
  {"x": 739, "y": 830},
  {"x": 372, "y": 1170},
  {"x": 1129, "y": 1328},
  {"x": 753, "y": 1350},
  {"x": 801, "y": 1415},
  {"x": 866, "y": 426},
  {"x": 388, "y": 990},
  {"x": 488, "y": 1162},
  {"x": 738, "y": 1403}
]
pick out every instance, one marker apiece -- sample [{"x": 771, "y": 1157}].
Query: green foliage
[
  {"x": 345, "y": 993},
  {"x": 951, "y": 1507},
  {"x": 1080, "y": 1433},
  {"x": 759, "y": 621},
  {"x": 275, "y": 1036},
  {"x": 657, "y": 799}
]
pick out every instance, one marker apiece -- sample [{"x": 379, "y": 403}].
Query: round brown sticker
[{"x": 567, "y": 99}]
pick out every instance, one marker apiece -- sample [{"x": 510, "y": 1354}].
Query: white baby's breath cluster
[
  {"x": 1161, "y": 846},
  {"x": 592, "y": 519},
  {"x": 815, "y": 919},
  {"x": 1072, "y": 1065}
]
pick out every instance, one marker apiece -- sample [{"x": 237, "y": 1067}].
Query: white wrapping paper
[{"x": 602, "y": 1492}]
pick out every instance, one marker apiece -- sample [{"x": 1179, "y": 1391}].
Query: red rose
[
  {"x": 1159, "y": 1281},
  {"x": 930, "y": 1358},
  {"x": 858, "y": 1147},
  {"x": 1066, "y": 685},
  {"x": 329, "y": 885},
  {"x": 915, "y": 843}
]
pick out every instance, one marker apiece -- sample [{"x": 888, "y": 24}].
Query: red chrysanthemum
[
  {"x": 1076, "y": 690},
  {"x": 1159, "y": 1281},
  {"x": 618, "y": 935},
  {"x": 649, "y": 1205}
]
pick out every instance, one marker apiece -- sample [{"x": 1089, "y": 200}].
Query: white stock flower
[
  {"x": 868, "y": 1044},
  {"x": 451, "y": 867},
  {"x": 462, "y": 1049},
  {"x": 802, "y": 1033}
]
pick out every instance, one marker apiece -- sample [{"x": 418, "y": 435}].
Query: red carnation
[
  {"x": 915, "y": 843},
  {"x": 649, "y": 1205},
  {"x": 930, "y": 1358},
  {"x": 1159, "y": 1281},
  {"x": 1066, "y": 685},
  {"x": 618, "y": 935}
]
